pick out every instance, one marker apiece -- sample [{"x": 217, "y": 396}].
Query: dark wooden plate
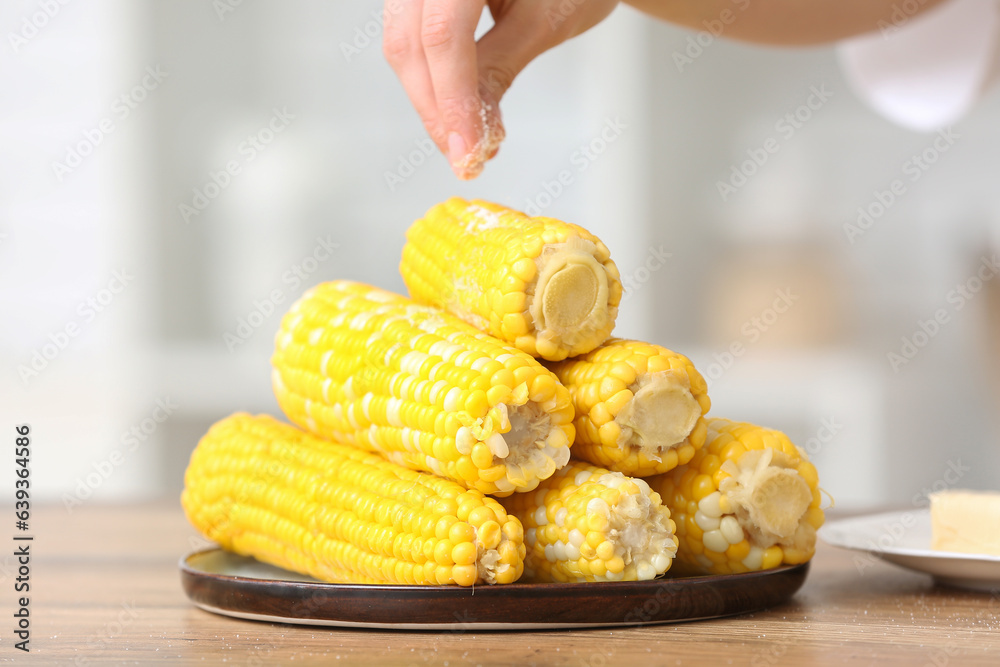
[{"x": 224, "y": 583}]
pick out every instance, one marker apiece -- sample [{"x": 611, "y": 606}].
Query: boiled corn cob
[
  {"x": 638, "y": 406},
  {"x": 590, "y": 524},
  {"x": 748, "y": 500},
  {"x": 265, "y": 489},
  {"x": 373, "y": 369},
  {"x": 545, "y": 286}
]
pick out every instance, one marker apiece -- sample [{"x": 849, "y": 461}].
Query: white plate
[{"x": 904, "y": 538}]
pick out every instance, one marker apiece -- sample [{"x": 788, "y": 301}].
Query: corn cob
[
  {"x": 748, "y": 500},
  {"x": 373, "y": 369},
  {"x": 265, "y": 489},
  {"x": 638, "y": 406},
  {"x": 590, "y": 524},
  {"x": 548, "y": 287}
]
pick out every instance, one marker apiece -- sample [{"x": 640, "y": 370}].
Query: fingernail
[{"x": 458, "y": 150}]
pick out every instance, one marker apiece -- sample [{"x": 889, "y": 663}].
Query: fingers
[
  {"x": 517, "y": 38},
  {"x": 448, "y": 38},
  {"x": 405, "y": 54},
  {"x": 454, "y": 83}
]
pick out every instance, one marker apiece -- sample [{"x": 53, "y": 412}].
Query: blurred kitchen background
[{"x": 174, "y": 174}]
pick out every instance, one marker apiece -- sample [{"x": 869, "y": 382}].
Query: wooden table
[{"x": 105, "y": 590}]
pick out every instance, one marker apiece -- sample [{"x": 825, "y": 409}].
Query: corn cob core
[
  {"x": 546, "y": 286},
  {"x": 373, "y": 369},
  {"x": 265, "y": 489},
  {"x": 639, "y": 406},
  {"x": 748, "y": 500},
  {"x": 590, "y": 524}
]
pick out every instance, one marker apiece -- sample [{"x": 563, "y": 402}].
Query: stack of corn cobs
[{"x": 488, "y": 430}]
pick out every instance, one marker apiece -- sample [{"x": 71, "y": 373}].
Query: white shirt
[{"x": 925, "y": 72}]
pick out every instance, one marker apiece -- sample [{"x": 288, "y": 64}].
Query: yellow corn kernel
[
  {"x": 546, "y": 286},
  {"x": 645, "y": 403},
  {"x": 584, "y": 523},
  {"x": 372, "y": 369},
  {"x": 265, "y": 489},
  {"x": 742, "y": 503}
]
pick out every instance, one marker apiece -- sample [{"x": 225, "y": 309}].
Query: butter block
[{"x": 966, "y": 522}]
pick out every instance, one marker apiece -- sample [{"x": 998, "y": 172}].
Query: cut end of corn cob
[
  {"x": 749, "y": 500},
  {"x": 373, "y": 369},
  {"x": 265, "y": 489},
  {"x": 661, "y": 414},
  {"x": 589, "y": 524},
  {"x": 546, "y": 286},
  {"x": 568, "y": 301},
  {"x": 767, "y": 494},
  {"x": 526, "y": 443},
  {"x": 639, "y": 406}
]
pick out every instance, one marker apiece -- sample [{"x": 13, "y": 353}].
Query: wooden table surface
[{"x": 105, "y": 590}]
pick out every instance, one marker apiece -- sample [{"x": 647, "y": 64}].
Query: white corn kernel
[
  {"x": 706, "y": 523},
  {"x": 661, "y": 562},
  {"x": 453, "y": 400},
  {"x": 645, "y": 571},
  {"x": 754, "y": 559},
  {"x": 714, "y": 541},
  {"x": 464, "y": 440},
  {"x": 709, "y": 505},
  {"x": 731, "y": 529},
  {"x": 598, "y": 506},
  {"x": 498, "y": 445},
  {"x": 504, "y": 485}
]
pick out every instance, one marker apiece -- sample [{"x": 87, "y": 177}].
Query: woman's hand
[{"x": 455, "y": 83}]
